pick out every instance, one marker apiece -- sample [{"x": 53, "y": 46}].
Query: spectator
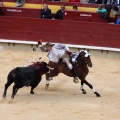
[
  {"x": 95, "y": 1},
  {"x": 115, "y": 2},
  {"x": 115, "y": 9},
  {"x": 54, "y": 0},
  {"x": 118, "y": 22},
  {"x": 46, "y": 12},
  {"x": 74, "y": 1},
  {"x": 108, "y": 7},
  {"x": 98, "y": 1},
  {"x": 0, "y": 11},
  {"x": 92, "y": 1},
  {"x": 75, "y": 7},
  {"x": 102, "y": 11},
  {"x": 59, "y": 13}
]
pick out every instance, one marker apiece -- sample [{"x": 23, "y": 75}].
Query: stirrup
[
  {"x": 50, "y": 78},
  {"x": 76, "y": 80}
]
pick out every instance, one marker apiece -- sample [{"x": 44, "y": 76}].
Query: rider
[{"x": 57, "y": 51}]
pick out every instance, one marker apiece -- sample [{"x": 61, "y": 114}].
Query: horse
[{"x": 82, "y": 62}]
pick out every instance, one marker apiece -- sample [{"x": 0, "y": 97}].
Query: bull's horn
[
  {"x": 40, "y": 58},
  {"x": 50, "y": 68},
  {"x": 30, "y": 61}
]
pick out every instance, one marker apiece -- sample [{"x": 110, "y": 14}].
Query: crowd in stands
[
  {"x": 46, "y": 12},
  {"x": 102, "y": 10},
  {"x": 104, "y": 1}
]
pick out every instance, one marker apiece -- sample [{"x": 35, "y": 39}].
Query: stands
[
  {"x": 83, "y": 16},
  {"x": 68, "y": 15}
]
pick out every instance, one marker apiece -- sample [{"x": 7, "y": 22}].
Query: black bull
[
  {"x": 83, "y": 60},
  {"x": 26, "y": 76}
]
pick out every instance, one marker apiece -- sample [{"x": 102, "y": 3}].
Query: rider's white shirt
[
  {"x": 52, "y": 57},
  {"x": 57, "y": 52}
]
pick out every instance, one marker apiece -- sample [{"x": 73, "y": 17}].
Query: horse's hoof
[
  {"x": 75, "y": 80},
  {"x": 4, "y": 96},
  {"x": 47, "y": 86},
  {"x": 97, "y": 94},
  {"x": 32, "y": 92},
  {"x": 84, "y": 92}
]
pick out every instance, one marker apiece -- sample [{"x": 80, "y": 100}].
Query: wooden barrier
[
  {"x": 35, "y": 13},
  {"x": 63, "y": 31},
  {"x": 83, "y": 16},
  {"x": 21, "y": 12}
]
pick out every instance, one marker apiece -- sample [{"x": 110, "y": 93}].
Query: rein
[{"x": 81, "y": 59}]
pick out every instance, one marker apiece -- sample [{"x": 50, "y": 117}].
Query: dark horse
[{"x": 83, "y": 61}]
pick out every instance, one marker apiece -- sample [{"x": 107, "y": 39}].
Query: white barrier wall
[{"x": 106, "y": 52}]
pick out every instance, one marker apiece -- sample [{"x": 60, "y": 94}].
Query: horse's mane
[{"x": 77, "y": 54}]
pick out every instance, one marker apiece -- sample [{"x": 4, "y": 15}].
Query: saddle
[{"x": 72, "y": 57}]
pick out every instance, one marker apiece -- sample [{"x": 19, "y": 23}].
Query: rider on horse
[{"x": 58, "y": 51}]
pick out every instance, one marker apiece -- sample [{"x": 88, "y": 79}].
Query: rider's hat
[{"x": 48, "y": 44}]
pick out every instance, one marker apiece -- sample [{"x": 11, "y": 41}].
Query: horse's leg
[
  {"x": 6, "y": 87},
  {"x": 81, "y": 88},
  {"x": 47, "y": 84},
  {"x": 95, "y": 92},
  {"x": 47, "y": 80}
]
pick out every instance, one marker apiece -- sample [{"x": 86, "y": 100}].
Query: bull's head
[
  {"x": 50, "y": 68},
  {"x": 41, "y": 66},
  {"x": 46, "y": 67}
]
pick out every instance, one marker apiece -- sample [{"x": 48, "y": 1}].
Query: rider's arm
[
  {"x": 64, "y": 47},
  {"x": 43, "y": 49}
]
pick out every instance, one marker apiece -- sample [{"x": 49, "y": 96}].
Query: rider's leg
[{"x": 67, "y": 59}]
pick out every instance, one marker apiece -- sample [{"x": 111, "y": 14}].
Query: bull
[{"x": 26, "y": 76}]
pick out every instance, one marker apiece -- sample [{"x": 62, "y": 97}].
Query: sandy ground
[{"x": 63, "y": 100}]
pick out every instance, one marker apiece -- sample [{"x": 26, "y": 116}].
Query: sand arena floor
[{"x": 63, "y": 100}]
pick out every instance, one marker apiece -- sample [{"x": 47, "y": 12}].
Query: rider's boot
[{"x": 74, "y": 75}]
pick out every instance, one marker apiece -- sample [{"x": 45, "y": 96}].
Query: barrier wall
[
  {"x": 21, "y": 12},
  {"x": 69, "y": 32},
  {"x": 67, "y": 15},
  {"x": 83, "y": 16},
  {"x": 29, "y": 47}
]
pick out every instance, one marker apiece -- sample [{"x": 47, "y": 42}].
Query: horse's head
[{"x": 84, "y": 56}]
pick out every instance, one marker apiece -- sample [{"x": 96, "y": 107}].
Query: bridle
[{"x": 82, "y": 58}]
